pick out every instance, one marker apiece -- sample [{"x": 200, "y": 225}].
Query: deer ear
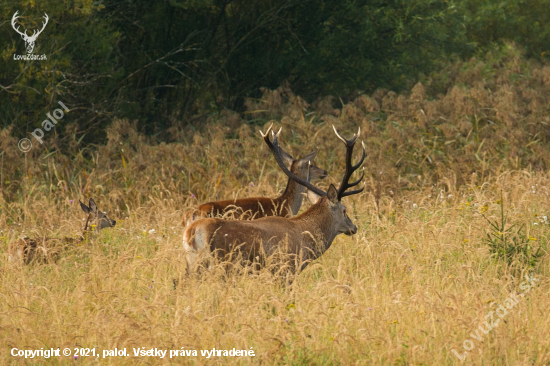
[
  {"x": 93, "y": 206},
  {"x": 287, "y": 158},
  {"x": 312, "y": 197},
  {"x": 85, "y": 208},
  {"x": 309, "y": 157},
  {"x": 332, "y": 194}
]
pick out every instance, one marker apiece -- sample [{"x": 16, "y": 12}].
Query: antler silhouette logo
[{"x": 29, "y": 40}]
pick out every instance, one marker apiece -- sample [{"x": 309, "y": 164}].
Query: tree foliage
[{"x": 166, "y": 63}]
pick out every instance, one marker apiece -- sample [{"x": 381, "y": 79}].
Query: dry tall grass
[{"x": 412, "y": 285}]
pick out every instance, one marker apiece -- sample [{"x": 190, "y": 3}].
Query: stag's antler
[
  {"x": 45, "y": 23},
  {"x": 349, "y": 167},
  {"x": 35, "y": 34},
  {"x": 13, "y": 19},
  {"x": 274, "y": 146}
]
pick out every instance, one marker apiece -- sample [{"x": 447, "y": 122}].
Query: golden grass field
[{"x": 412, "y": 285}]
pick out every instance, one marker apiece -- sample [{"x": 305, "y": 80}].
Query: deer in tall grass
[
  {"x": 29, "y": 250},
  {"x": 301, "y": 238},
  {"x": 286, "y": 205}
]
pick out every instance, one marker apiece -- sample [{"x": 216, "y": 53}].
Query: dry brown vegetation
[{"x": 413, "y": 284}]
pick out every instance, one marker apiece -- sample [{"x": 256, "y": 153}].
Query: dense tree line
[{"x": 169, "y": 62}]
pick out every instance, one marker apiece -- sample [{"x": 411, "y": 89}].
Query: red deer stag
[
  {"x": 28, "y": 250},
  {"x": 304, "y": 237},
  {"x": 286, "y": 205}
]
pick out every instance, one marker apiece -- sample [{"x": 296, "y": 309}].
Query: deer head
[
  {"x": 303, "y": 165},
  {"x": 29, "y": 40},
  {"x": 96, "y": 217}
]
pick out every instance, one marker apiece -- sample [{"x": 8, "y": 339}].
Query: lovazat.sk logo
[{"x": 29, "y": 40}]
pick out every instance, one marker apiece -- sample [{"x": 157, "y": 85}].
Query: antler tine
[
  {"x": 347, "y": 142},
  {"x": 13, "y": 19},
  {"x": 358, "y": 180},
  {"x": 350, "y": 168},
  {"x": 356, "y": 166},
  {"x": 349, "y": 193},
  {"x": 267, "y": 132},
  {"x": 274, "y": 147}
]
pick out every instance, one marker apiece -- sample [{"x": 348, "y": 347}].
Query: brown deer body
[
  {"x": 304, "y": 237},
  {"x": 29, "y": 250},
  {"x": 286, "y": 205}
]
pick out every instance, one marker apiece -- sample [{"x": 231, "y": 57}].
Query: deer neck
[
  {"x": 317, "y": 228},
  {"x": 86, "y": 224},
  {"x": 292, "y": 196},
  {"x": 78, "y": 239},
  {"x": 87, "y": 234},
  {"x": 89, "y": 227}
]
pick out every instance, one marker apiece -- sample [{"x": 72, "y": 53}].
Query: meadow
[{"x": 417, "y": 280}]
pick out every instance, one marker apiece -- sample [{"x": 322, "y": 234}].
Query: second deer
[
  {"x": 286, "y": 205},
  {"x": 29, "y": 250}
]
